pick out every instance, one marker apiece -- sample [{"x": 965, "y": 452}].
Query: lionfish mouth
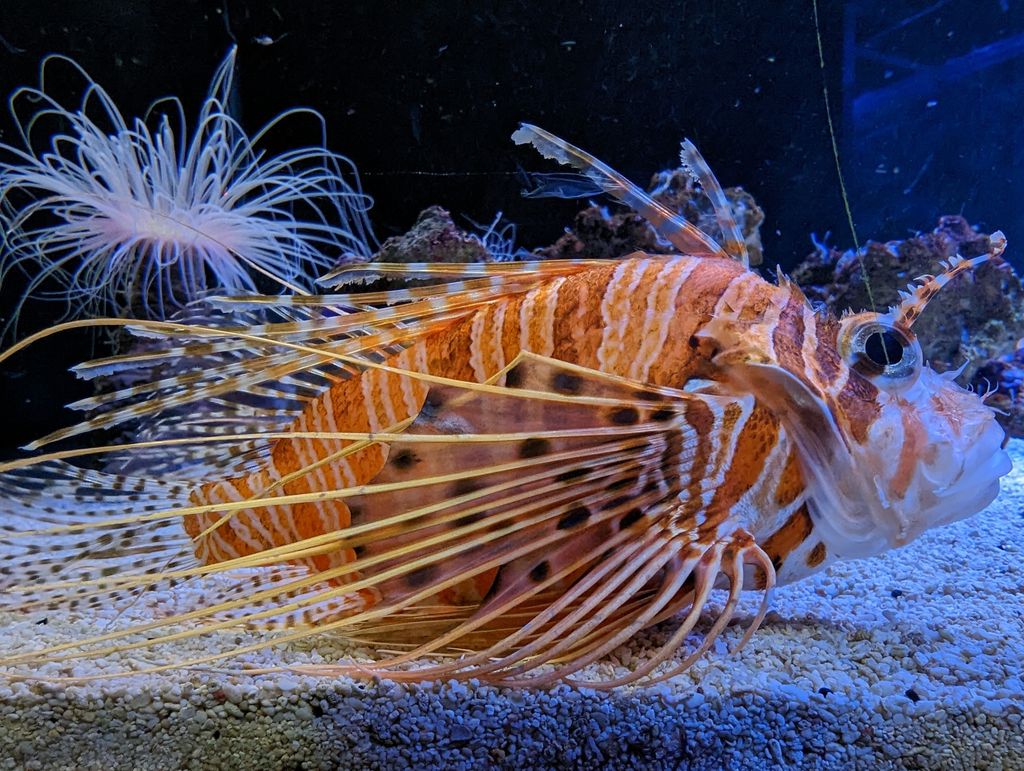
[{"x": 977, "y": 485}]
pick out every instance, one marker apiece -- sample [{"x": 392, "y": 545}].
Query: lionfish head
[{"x": 932, "y": 452}]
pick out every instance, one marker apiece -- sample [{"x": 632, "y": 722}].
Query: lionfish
[{"x": 521, "y": 465}]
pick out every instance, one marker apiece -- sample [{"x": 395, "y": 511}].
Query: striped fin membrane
[
  {"x": 544, "y": 545},
  {"x": 243, "y": 360}
]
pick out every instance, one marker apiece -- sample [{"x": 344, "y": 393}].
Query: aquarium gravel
[{"x": 912, "y": 660}]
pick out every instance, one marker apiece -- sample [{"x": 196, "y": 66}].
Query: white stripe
[
  {"x": 476, "y": 355},
  {"x": 655, "y": 330},
  {"x": 525, "y": 314},
  {"x": 498, "y": 335},
  {"x": 615, "y": 319},
  {"x": 324, "y": 508},
  {"x": 545, "y": 343},
  {"x": 366, "y": 384},
  {"x": 343, "y": 475},
  {"x": 384, "y": 383}
]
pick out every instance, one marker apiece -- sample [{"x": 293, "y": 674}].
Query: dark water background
[{"x": 927, "y": 100}]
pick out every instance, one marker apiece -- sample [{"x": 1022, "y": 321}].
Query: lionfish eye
[
  {"x": 887, "y": 354},
  {"x": 883, "y": 348}
]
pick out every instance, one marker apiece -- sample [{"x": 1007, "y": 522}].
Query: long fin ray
[
  {"x": 698, "y": 168},
  {"x": 235, "y": 364},
  {"x": 686, "y": 237},
  {"x": 532, "y": 269},
  {"x": 194, "y": 392}
]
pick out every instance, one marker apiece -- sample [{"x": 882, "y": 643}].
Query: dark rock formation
[{"x": 434, "y": 237}]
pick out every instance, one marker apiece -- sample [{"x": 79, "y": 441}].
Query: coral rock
[{"x": 976, "y": 318}]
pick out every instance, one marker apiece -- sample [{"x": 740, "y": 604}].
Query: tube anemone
[{"x": 142, "y": 217}]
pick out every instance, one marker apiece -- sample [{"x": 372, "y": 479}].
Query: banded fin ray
[
  {"x": 528, "y": 270},
  {"x": 732, "y": 238},
  {"x": 254, "y": 364}
]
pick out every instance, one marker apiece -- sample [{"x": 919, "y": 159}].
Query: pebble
[{"x": 286, "y": 683}]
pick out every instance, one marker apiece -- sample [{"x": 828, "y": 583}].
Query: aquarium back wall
[{"x": 423, "y": 96}]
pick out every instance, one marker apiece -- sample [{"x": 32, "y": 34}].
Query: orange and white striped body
[{"x": 642, "y": 319}]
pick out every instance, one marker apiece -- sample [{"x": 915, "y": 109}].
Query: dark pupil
[{"x": 883, "y": 348}]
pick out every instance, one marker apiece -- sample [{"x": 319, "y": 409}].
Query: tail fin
[{"x": 112, "y": 547}]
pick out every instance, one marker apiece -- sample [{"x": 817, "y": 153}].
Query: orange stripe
[
  {"x": 758, "y": 436},
  {"x": 915, "y": 440},
  {"x": 791, "y": 482},
  {"x": 793, "y": 532},
  {"x": 858, "y": 405},
  {"x": 788, "y": 336},
  {"x": 701, "y": 421},
  {"x": 827, "y": 352},
  {"x": 682, "y": 355},
  {"x": 577, "y": 327},
  {"x": 816, "y": 556}
]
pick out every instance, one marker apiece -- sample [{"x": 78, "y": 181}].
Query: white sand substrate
[{"x": 912, "y": 660}]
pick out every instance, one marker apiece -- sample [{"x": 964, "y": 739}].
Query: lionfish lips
[
  {"x": 974, "y": 484},
  {"x": 984, "y": 462}
]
